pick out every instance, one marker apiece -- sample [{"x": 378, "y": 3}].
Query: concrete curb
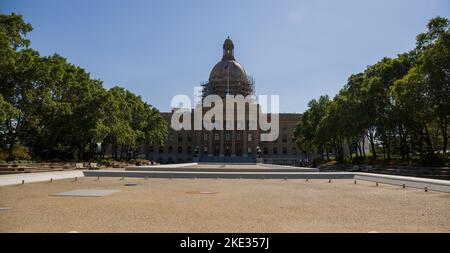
[
  {"x": 213, "y": 169},
  {"x": 413, "y": 182},
  {"x": 16, "y": 179},
  {"x": 225, "y": 175}
]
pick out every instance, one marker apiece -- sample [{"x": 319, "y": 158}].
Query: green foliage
[
  {"x": 21, "y": 153},
  {"x": 57, "y": 110},
  {"x": 400, "y": 106}
]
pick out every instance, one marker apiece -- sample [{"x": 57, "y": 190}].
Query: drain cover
[
  {"x": 86, "y": 193},
  {"x": 131, "y": 184},
  {"x": 201, "y": 192}
]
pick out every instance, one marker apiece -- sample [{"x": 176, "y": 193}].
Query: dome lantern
[
  {"x": 228, "y": 50},
  {"x": 228, "y": 77}
]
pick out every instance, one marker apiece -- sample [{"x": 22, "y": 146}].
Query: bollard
[
  {"x": 403, "y": 186},
  {"x": 76, "y": 179},
  {"x": 376, "y": 183},
  {"x": 307, "y": 179},
  {"x": 51, "y": 180},
  {"x": 23, "y": 181},
  {"x": 426, "y": 189},
  {"x": 122, "y": 178},
  {"x": 355, "y": 181},
  {"x": 329, "y": 180},
  {"x": 98, "y": 178}
]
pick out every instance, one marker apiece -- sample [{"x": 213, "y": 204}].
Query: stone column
[
  {"x": 244, "y": 141},
  {"x": 199, "y": 138},
  {"x": 222, "y": 143},
  {"x": 233, "y": 143},
  {"x": 210, "y": 141}
]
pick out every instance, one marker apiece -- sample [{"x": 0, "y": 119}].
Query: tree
[
  {"x": 57, "y": 110},
  {"x": 434, "y": 63},
  {"x": 398, "y": 103}
]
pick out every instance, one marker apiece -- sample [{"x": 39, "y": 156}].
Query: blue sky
[{"x": 157, "y": 49}]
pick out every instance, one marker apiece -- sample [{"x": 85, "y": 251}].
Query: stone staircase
[{"x": 227, "y": 159}]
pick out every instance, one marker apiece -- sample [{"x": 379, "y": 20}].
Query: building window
[
  {"x": 189, "y": 138},
  {"x": 170, "y": 138},
  {"x": 239, "y": 125},
  {"x": 284, "y": 151},
  {"x": 180, "y": 150},
  {"x": 180, "y": 138},
  {"x": 249, "y": 150},
  {"x": 205, "y": 137},
  {"x": 284, "y": 138},
  {"x": 227, "y": 136},
  {"x": 151, "y": 149},
  {"x": 294, "y": 151},
  {"x": 275, "y": 151},
  {"x": 170, "y": 150},
  {"x": 216, "y": 137},
  {"x": 161, "y": 150},
  {"x": 238, "y": 137},
  {"x": 189, "y": 150},
  {"x": 205, "y": 150},
  {"x": 249, "y": 137},
  {"x": 266, "y": 151}
]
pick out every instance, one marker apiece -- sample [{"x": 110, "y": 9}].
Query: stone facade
[{"x": 228, "y": 77}]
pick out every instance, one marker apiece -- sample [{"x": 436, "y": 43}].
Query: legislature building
[{"x": 228, "y": 77}]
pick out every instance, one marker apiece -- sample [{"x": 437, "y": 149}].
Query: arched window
[
  {"x": 161, "y": 149},
  {"x": 189, "y": 150},
  {"x": 180, "y": 150},
  {"x": 275, "y": 151},
  {"x": 170, "y": 150}
]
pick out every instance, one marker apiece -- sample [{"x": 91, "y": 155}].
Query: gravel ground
[{"x": 210, "y": 205}]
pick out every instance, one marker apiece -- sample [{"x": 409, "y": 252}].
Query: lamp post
[{"x": 196, "y": 151}]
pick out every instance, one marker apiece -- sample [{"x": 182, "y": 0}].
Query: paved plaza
[{"x": 221, "y": 205}]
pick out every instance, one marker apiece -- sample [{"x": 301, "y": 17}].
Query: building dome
[
  {"x": 228, "y": 69},
  {"x": 228, "y": 76}
]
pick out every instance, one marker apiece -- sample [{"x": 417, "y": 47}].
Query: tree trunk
[
  {"x": 364, "y": 146},
  {"x": 444, "y": 137},
  {"x": 350, "y": 151},
  {"x": 388, "y": 148},
  {"x": 428, "y": 140}
]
